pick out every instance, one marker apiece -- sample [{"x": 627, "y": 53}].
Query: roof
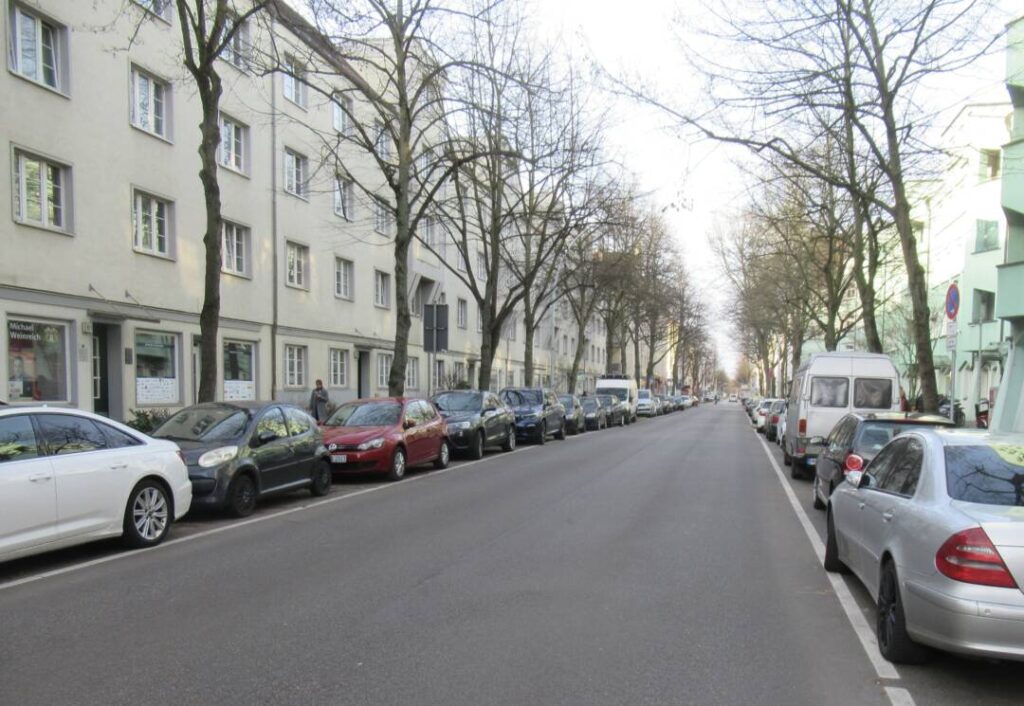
[
  {"x": 974, "y": 437},
  {"x": 904, "y": 417}
]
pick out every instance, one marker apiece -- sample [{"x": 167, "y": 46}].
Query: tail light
[
  {"x": 801, "y": 427},
  {"x": 775, "y": 419},
  {"x": 853, "y": 463},
  {"x": 970, "y": 556}
]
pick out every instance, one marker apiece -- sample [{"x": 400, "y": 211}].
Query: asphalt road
[{"x": 657, "y": 564}]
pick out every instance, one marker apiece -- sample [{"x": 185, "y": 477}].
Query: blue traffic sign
[{"x": 952, "y": 301}]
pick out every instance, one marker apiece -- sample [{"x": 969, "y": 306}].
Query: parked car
[
  {"x": 386, "y": 435},
  {"x": 934, "y": 529},
  {"x": 595, "y": 415},
  {"x": 760, "y": 417},
  {"x": 646, "y": 406},
  {"x": 771, "y": 422},
  {"x": 538, "y": 413},
  {"x": 667, "y": 405},
  {"x": 237, "y": 452},
  {"x": 825, "y": 388},
  {"x": 857, "y": 439},
  {"x": 687, "y": 401},
  {"x": 69, "y": 477},
  {"x": 574, "y": 417},
  {"x": 624, "y": 389},
  {"x": 476, "y": 420},
  {"x": 616, "y": 410},
  {"x": 780, "y": 432},
  {"x": 732, "y": 397}
]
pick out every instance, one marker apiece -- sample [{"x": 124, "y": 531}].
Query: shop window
[
  {"x": 156, "y": 368},
  {"x": 37, "y": 361}
]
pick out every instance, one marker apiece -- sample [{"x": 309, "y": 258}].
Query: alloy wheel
[{"x": 149, "y": 513}]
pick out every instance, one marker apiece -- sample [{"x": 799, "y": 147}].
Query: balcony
[{"x": 1010, "y": 290}]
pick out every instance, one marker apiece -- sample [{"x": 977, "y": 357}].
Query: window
[
  {"x": 37, "y": 361},
  {"x": 343, "y": 270},
  {"x": 416, "y": 305},
  {"x": 906, "y": 471},
  {"x": 983, "y": 474},
  {"x": 234, "y": 144},
  {"x": 338, "y": 373},
  {"x": 479, "y": 320},
  {"x": 872, "y": 393},
  {"x": 297, "y": 265},
  {"x": 38, "y": 48},
  {"x": 235, "y": 255},
  {"x": 830, "y": 392},
  {"x": 236, "y": 51},
  {"x": 438, "y": 381},
  {"x": 343, "y": 109},
  {"x": 17, "y": 439},
  {"x": 294, "y": 85},
  {"x": 461, "y": 261},
  {"x": 383, "y": 369},
  {"x": 989, "y": 164},
  {"x": 296, "y": 169},
  {"x": 412, "y": 374},
  {"x": 295, "y": 366},
  {"x": 67, "y": 434},
  {"x": 272, "y": 422},
  {"x": 160, "y": 8},
  {"x": 43, "y": 192},
  {"x": 299, "y": 422},
  {"x": 343, "y": 198},
  {"x": 382, "y": 141},
  {"x": 156, "y": 368},
  {"x": 382, "y": 289},
  {"x": 382, "y": 217},
  {"x": 461, "y": 312},
  {"x": 150, "y": 102},
  {"x": 151, "y": 224},
  {"x": 481, "y": 263},
  {"x": 460, "y": 375},
  {"x": 428, "y": 233},
  {"x": 984, "y": 306},
  {"x": 239, "y": 370},
  {"x": 987, "y": 236}
]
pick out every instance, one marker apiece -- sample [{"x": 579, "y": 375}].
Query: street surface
[{"x": 661, "y": 563}]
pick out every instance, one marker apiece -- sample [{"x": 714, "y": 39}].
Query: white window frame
[
  {"x": 344, "y": 193},
  {"x": 384, "y": 361},
  {"x": 294, "y": 366},
  {"x": 382, "y": 217},
  {"x": 54, "y": 213},
  {"x": 237, "y": 51},
  {"x": 297, "y": 277},
  {"x": 293, "y": 87},
  {"x": 381, "y": 289},
  {"x": 20, "y": 13},
  {"x": 296, "y": 173},
  {"x": 438, "y": 373},
  {"x": 461, "y": 312},
  {"x": 236, "y": 156},
  {"x": 412, "y": 373},
  {"x": 234, "y": 238},
  {"x": 156, "y": 120},
  {"x": 338, "y": 367},
  {"x": 343, "y": 109},
  {"x": 146, "y": 209},
  {"x": 344, "y": 276},
  {"x": 381, "y": 141}
]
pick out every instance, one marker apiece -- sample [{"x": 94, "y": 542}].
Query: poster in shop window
[{"x": 36, "y": 361}]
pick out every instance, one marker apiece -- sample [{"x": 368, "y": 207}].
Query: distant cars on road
[{"x": 574, "y": 416}]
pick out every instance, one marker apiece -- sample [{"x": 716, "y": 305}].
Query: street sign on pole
[{"x": 952, "y": 301}]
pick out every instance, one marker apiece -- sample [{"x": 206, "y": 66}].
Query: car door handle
[
  {"x": 887, "y": 515},
  {"x": 119, "y": 467},
  {"x": 40, "y": 477},
  {"x": 860, "y": 506}
]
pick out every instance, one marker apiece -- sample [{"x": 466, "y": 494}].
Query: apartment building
[{"x": 101, "y": 282}]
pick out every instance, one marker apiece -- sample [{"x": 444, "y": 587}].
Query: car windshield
[
  {"x": 366, "y": 414},
  {"x": 522, "y": 398},
  {"x": 607, "y": 400},
  {"x": 589, "y": 403},
  {"x": 458, "y": 401},
  {"x": 986, "y": 474},
  {"x": 213, "y": 423},
  {"x": 566, "y": 400},
  {"x": 620, "y": 393},
  {"x": 644, "y": 394}
]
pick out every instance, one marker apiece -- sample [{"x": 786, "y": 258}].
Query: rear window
[
  {"x": 644, "y": 394},
  {"x": 988, "y": 475},
  {"x": 830, "y": 392},
  {"x": 872, "y": 393}
]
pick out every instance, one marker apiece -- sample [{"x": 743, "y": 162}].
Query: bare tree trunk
[
  {"x": 209, "y": 318},
  {"x": 530, "y": 325}
]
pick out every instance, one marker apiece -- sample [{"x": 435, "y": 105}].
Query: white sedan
[{"x": 68, "y": 477}]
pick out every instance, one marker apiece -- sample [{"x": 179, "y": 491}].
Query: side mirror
[
  {"x": 408, "y": 423},
  {"x": 265, "y": 437}
]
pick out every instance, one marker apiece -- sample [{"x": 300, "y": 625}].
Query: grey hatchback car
[{"x": 934, "y": 529}]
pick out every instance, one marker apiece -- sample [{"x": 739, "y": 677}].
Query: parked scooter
[
  {"x": 981, "y": 413},
  {"x": 958, "y": 411}
]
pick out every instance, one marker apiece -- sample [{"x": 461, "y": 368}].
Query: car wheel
[
  {"x": 477, "y": 450},
  {"x": 894, "y": 642},
  {"x": 787, "y": 460},
  {"x": 560, "y": 434},
  {"x": 147, "y": 517},
  {"x": 542, "y": 435},
  {"x": 832, "y": 561},
  {"x": 242, "y": 496},
  {"x": 444, "y": 454},
  {"x": 397, "y": 470},
  {"x": 510, "y": 440},
  {"x": 815, "y": 484},
  {"x": 322, "y": 478}
]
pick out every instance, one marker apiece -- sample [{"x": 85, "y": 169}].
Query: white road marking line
[
  {"x": 883, "y": 668},
  {"x": 244, "y": 523},
  {"x": 899, "y": 696}
]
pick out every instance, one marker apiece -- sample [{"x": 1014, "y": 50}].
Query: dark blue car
[{"x": 538, "y": 412}]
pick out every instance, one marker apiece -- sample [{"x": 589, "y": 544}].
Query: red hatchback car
[{"x": 386, "y": 435}]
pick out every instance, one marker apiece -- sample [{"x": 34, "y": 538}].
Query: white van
[
  {"x": 826, "y": 387},
  {"x": 622, "y": 387}
]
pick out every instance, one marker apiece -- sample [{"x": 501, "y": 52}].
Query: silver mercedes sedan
[{"x": 934, "y": 528}]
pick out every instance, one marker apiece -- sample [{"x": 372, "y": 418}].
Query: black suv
[
  {"x": 538, "y": 412},
  {"x": 476, "y": 420},
  {"x": 856, "y": 439}
]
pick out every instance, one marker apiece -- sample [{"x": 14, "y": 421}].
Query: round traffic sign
[{"x": 952, "y": 301}]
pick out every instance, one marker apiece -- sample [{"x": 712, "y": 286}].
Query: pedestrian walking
[{"x": 318, "y": 402}]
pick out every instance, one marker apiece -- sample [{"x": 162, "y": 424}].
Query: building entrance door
[
  {"x": 100, "y": 371},
  {"x": 363, "y": 373}
]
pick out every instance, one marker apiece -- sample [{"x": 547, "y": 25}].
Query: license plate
[
  {"x": 812, "y": 462},
  {"x": 339, "y": 458}
]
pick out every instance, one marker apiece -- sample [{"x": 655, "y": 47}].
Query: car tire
[
  {"x": 510, "y": 440},
  {"x": 444, "y": 454},
  {"x": 242, "y": 496},
  {"x": 322, "y": 478},
  {"x": 476, "y": 451},
  {"x": 787, "y": 460},
  {"x": 894, "y": 642},
  {"x": 818, "y": 505},
  {"x": 398, "y": 465},
  {"x": 542, "y": 434},
  {"x": 832, "y": 561},
  {"x": 560, "y": 434},
  {"x": 147, "y": 516},
  {"x": 795, "y": 472}
]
